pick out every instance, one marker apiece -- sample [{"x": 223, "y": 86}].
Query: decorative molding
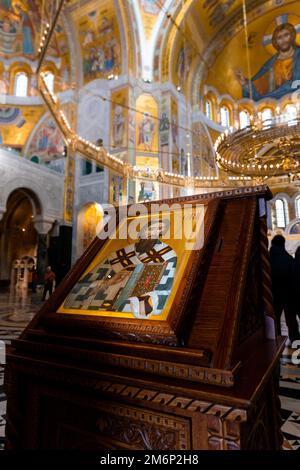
[
  {"x": 144, "y": 429},
  {"x": 42, "y": 225},
  {"x": 136, "y": 393},
  {"x": 190, "y": 372}
]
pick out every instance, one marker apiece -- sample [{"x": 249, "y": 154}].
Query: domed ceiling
[
  {"x": 195, "y": 44},
  {"x": 232, "y": 54}
]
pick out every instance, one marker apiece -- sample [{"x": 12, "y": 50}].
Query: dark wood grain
[{"x": 207, "y": 379}]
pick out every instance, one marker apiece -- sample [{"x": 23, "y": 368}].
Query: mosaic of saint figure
[
  {"x": 137, "y": 279},
  {"x": 118, "y": 126},
  {"x": 276, "y": 76},
  {"x": 146, "y": 131}
]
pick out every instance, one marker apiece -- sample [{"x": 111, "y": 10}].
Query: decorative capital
[{"x": 42, "y": 226}]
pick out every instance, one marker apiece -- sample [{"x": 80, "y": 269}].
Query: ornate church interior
[{"x": 111, "y": 103}]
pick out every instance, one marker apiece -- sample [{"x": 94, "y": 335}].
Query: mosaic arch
[
  {"x": 266, "y": 73},
  {"x": 150, "y": 17},
  {"x": 198, "y": 21},
  {"x": 206, "y": 19},
  {"x": 46, "y": 142},
  {"x": 98, "y": 28},
  {"x": 20, "y": 31}
]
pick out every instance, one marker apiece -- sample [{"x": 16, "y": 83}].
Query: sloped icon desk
[{"x": 203, "y": 377}]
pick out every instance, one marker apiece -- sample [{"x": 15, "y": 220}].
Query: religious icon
[
  {"x": 146, "y": 130},
  {"x": 184, "y": 61},
  {"x": 135, "y": 279},
  {"x": 47, "y": 143},
  {"x": 4, "y": 83},
  {"x": 147, "y": 191},
  {"x": 136, "y": 276},
  {"x": 276, "y": 76},
  {"x": 27, "y": 29},
  {"x": 118, "y": 126},
  {"x": 218, "y": 10}
]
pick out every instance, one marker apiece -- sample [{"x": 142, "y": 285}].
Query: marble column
[{"x": 42, "y": 227}]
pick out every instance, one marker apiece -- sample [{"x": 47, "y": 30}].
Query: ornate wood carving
[
  {"x": 69, "y": 387},
  {"x": 142, "y": 429}
]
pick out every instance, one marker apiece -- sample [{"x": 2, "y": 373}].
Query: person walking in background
[
  {"x": 283, "y": 286},
  {"x": 49, "y": 280}
]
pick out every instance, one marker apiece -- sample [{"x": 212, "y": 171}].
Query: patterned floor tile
[{"x": 16, "y": 313}]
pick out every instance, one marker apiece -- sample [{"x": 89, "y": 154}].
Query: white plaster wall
[
  {"x": 17, "y": 172},
  {"x": 94, "y": 112}
]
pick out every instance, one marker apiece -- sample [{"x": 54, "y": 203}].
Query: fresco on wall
[
  {"x": 183, "y": 63},
  {"x": 147, "y": 123},
  {"x": 4, "y": 82},
  {"x": 11, "y": 116},
  {"x": 92, "y": 218},
  {"x": 100, "y": 40},
  {"x": 183, "y": 57},
  {"x": 119, "y": 118},
  {"x": 20, "y": 22},
  {"x": 17, "y": 31},
  {"x": 217, "y": 10},
  {"x": 164, "y": 127},
  {"x": 116, "y": 189},
  {"x": 175, "y": 136},
  {"x": 276, "y": 76},
  {"x": 47, "y": 143},
  {"x": 203, "y": 152},
  {"x": 16, "y": 124}
]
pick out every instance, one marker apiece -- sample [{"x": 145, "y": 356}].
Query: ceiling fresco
[
  {"x": 20, "y": 29},
  {"x": 267, "y": 64},
  {"x": 98, "y": 34}
]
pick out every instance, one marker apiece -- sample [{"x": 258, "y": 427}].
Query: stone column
[{"x": 42, "y": 227}]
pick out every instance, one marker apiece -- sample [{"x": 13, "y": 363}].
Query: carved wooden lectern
[{"x": 148, "y": 344}]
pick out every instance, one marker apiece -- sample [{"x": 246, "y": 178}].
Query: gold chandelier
[{"x": 265, "y": 148}]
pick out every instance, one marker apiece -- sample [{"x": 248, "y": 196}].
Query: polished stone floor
[{"x": 16, "y": 311}]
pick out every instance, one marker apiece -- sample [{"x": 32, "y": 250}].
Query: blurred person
[
  {"x": 283, "y": 286},
  {"x": 49, "y": 279}
]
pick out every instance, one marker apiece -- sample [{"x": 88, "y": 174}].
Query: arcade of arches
[{"x": 160, "y": 86}]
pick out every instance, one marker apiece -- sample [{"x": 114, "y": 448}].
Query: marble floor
[{"x": 16, "y": 310}]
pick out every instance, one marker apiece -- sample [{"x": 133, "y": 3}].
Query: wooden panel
[
  {"x": 72, "y": 388},
  {"x": 224, "y": 278}
]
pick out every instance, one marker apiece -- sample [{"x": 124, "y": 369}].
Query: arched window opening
[
  {"x": 266, "y": 115},
  {"x": 281, "y": 219},
  {"x": 244, "y": 119},
  {"x": 208, "y": 109},
  {"x": 21, "y": 84},
  {"x": 225, "y": 116},
  {"x": 290, "y": 113}
]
